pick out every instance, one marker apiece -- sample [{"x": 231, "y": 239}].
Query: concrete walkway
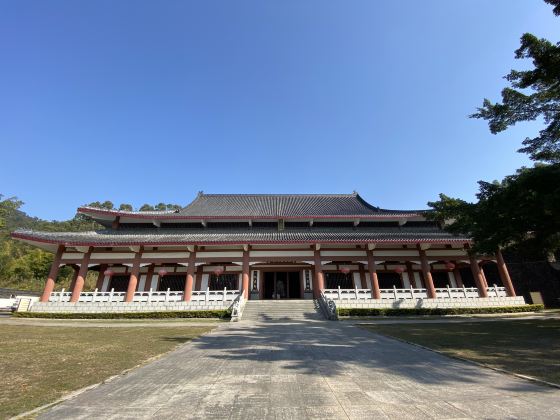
[{"x": 309, "y": 370}]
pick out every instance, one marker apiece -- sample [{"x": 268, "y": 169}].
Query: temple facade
[{"x": 227, "y": 248}]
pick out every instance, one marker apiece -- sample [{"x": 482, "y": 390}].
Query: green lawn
[
  {"x": 40, "y": 364},
  {"x": 530, "y": 347}
]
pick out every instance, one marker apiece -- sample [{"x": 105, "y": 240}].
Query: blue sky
[{"x": 137, "y": 101}]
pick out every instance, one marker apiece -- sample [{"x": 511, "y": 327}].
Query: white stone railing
[
  {"x": 238, "y": 307},
  {"x": 148, "y": 297},
  {"x": 496, "y": 291},
  {"x": 412, "y": 293}
]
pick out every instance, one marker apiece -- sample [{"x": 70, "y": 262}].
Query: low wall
[
  {"x": 122, "y": 307},
  {"x": 432, "y": 303}
]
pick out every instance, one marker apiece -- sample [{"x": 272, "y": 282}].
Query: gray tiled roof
[
  {"x": 234, "y": 236},
  {"x": 256, "y": 206},
  {"x": 282, "y": 205}
]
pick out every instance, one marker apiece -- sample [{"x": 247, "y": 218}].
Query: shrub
[
  {"x": 436, "y": 311},
  {"x": 127, "y": 315}
]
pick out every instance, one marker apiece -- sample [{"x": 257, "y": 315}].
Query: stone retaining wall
[
  {"x": 120, "y": 307},
  {"x": 432, "y": 303}
]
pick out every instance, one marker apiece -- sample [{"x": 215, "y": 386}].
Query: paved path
[{"x": 309, "y": 370}]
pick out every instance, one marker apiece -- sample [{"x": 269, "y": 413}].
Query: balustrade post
[
  {"x": 150, "y": 295},
  {"x": 111, "y": 294},
  {"x": 356, "y": 291},
  {"x": 395, "y": 292},
  {"x": 339, "y": 293},
  {"x": 61, "y": 295},
  {"x": 53, "y": 273},
  {"x": 167, "y": 294},
  {"x": 411, "y": 291},
  {"x": 225, "y": 294},
  {"x": 496, "y": 290},
  {"x": 465, "y": 290},
  {"x": 207, "y": 294},
  {"x": 94, "y": 295}
]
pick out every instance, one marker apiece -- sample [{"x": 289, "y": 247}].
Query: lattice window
[
  {"x": 119, "y": 283},
  {"x": 174, "y": 282},
  {"x": 222, "y": 281},
  {"x": 344, "y": 280}
]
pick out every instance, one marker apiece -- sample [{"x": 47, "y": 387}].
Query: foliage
[
  {"x": 24, "y": 266},
  {"x": 127, "y": 315},
  {"x": 160, "y": 207},
  {"x": 436, "y": 311},
  {"x": 521, "y": 211},
  {"x": 108, "y": 205},
  {"x": 533, "y": 94},
  {"x": 556, "y": 4}
]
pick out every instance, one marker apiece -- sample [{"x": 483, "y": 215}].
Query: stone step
[{"x": 299, "y": 310}]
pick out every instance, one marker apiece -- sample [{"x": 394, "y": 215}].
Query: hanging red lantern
[
  {"x": 108, "y": 273},
  {"x": 218, "y": 271},
  {"x": 399, "y": 270},
  {"x": 162, "y": 272},
  {"x": 344, "y": 270},
  {"x": 450, "y": 266}
]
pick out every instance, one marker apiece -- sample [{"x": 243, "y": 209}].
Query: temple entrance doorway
[{"x": 282, "y": 285}]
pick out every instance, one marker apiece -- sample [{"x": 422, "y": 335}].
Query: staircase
[
  {"x": 23, "y": 305},
  {"x": 282, "y": 310}
]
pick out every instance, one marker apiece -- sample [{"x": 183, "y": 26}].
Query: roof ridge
[{"x": 276, "y": 195}]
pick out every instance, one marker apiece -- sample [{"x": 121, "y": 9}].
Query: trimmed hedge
[
  {"x": 436, "y": 311},
  {"x": 127, "y": 315}
]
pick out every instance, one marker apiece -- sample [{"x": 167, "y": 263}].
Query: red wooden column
[
  {"x": 245, "y": 273},
  {"x": 375, "y": 292},
  {"x": 149, "y": 275},
  {"x": 76, "y": 269},
  {"x": 478, "y": 277},
  {"x": 190, "y": 276},
  {"x": 319, "y": 277},
  {"x": 101, "y": 276},
  {"x": 133, "y": 279},
  {"x": 363, "y": 281},
  {"x": 458, "y": 278},
  {"x": 198, "y": 279},
  {"x": 51, "y": 279},
  {"x": 482, "y": 275},
  {"x": 80, "y": 279},
  {"x": 427, "y": 274},
  {"x": 410, "y": 272},
  {"x": 504, "y": 274}
]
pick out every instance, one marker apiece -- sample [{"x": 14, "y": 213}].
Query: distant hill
[{"x": 25, "y": 267}]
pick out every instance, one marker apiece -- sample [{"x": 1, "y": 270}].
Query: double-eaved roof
[{"x": 333, "y": 209}]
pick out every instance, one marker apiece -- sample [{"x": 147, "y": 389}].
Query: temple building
[{"x": 223, "y": 248}]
